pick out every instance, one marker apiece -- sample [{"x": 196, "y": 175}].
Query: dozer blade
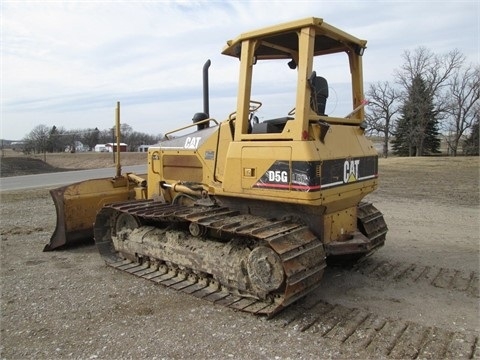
[{"x": 77, "y": 205}]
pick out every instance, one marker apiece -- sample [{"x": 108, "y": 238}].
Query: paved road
[{"x": 62, "y": 178}]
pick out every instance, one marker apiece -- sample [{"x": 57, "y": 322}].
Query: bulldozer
[{"x": 246, "y": 212}]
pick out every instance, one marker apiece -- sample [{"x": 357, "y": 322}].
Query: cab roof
[{"x": 281, "y": 41}]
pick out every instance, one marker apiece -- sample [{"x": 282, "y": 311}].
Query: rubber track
[{"x": 291, "y": 241}]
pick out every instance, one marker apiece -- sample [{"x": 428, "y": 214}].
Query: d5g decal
[{"x": 317, "y": 175}]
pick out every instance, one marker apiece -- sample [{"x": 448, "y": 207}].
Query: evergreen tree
[
  {"x": 90, "y": 138},
  {"x": 402, "y": 143},
  {"x": 55, "y": 142},
  {"x": 52, "y": 140},
  {"x": 417, "y": 128},
  {"x": 431, "y": 143}
]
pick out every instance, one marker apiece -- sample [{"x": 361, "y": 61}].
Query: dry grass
[{"x": 15, "y": 163}]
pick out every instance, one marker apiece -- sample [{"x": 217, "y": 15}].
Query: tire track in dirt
[
  {"x": 439, "y": 277},
  {"x": 367, "y": 335}
]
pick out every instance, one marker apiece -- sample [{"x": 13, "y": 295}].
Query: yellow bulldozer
[{"x": 246, "y": 212}]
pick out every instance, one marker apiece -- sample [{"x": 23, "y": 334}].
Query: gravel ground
[{"x": 415, "y": 298}]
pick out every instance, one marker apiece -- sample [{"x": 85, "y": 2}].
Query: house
[
  {"x": 112, "y": 147},
  {"x": 143, "y": 148},
  {"x": 17, "y": 145},
  {"x": 77, "y": 147},
  {"x": 100, "y": 148}
]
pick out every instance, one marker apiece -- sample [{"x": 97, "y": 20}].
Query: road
[{"x": 62, "y": 178}]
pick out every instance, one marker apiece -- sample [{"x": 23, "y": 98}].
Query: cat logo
[
  {"x": 350, "y": 170},
  {"x": 192, "y": 142}
]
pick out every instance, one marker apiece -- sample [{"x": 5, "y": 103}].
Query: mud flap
[{"x": 77, "y": 205}]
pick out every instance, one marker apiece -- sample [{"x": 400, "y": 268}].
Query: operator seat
[{"x": 319, "y": 93}]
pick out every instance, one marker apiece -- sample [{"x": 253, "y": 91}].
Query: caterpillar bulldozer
[{"x": 246, "y": 212}]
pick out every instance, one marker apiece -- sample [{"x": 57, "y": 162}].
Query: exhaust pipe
[{"x": 206, "y": 109}]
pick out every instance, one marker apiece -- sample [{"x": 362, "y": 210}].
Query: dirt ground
[{"x": 415, "y": 298}]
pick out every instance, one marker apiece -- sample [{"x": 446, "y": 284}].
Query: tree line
[
  {"x": 433, "y": 97},
  {"x": 43, "y": 139}
]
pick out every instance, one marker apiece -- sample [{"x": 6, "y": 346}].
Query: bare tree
[
  {"x": 135, "y": 139},
  {"x": 106, "y": 136},
  {"x": 125, "y": 130},
  {"x": 462, "y": 105},
  {"x": 90, "y": 138},
  {"x": 471, "y": 145},
  {"x": 37, "y": 140},
  {"x": 43, "y": 139},
  {"x": 383, "y": 107},
  {"x": 435, "y": 70}
]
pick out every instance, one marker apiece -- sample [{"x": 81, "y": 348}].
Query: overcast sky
[{"x": 67, "y": 63}]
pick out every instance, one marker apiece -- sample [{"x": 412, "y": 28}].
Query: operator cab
[
  {"x": 297, "y": 44},
  {"x": 318, "y": 103}
]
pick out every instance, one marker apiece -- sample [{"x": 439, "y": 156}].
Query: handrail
[{"x": 186, "y": 127}]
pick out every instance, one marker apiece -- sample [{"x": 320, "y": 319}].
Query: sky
[{"x": 67, "y": 63}]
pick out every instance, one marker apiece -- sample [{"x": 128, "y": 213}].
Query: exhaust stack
[
  {"x": 206, "y": 109},
  {"x": 200, "y": 116}
]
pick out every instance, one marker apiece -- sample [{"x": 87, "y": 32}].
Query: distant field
[{"x": 14, "y": 163}]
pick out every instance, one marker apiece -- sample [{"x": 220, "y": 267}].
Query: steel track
[{"x": 301, "y": 253}]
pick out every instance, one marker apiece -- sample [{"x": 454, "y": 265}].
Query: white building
[
  {"x": 143, "y": 148},
  {"x": 100, "y": 148}
]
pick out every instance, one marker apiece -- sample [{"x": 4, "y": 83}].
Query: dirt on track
[{"x": 416, "y": 298}]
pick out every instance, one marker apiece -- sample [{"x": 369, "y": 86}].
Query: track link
[
  {"x": 301, "y": 254},
  {"x": 371, "y": 223}
]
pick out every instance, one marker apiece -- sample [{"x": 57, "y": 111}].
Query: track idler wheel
[
  {"x": 265, "y": 269},
  {"x": 197, "y": 230},
  {"x": 126, "y": 221}
]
